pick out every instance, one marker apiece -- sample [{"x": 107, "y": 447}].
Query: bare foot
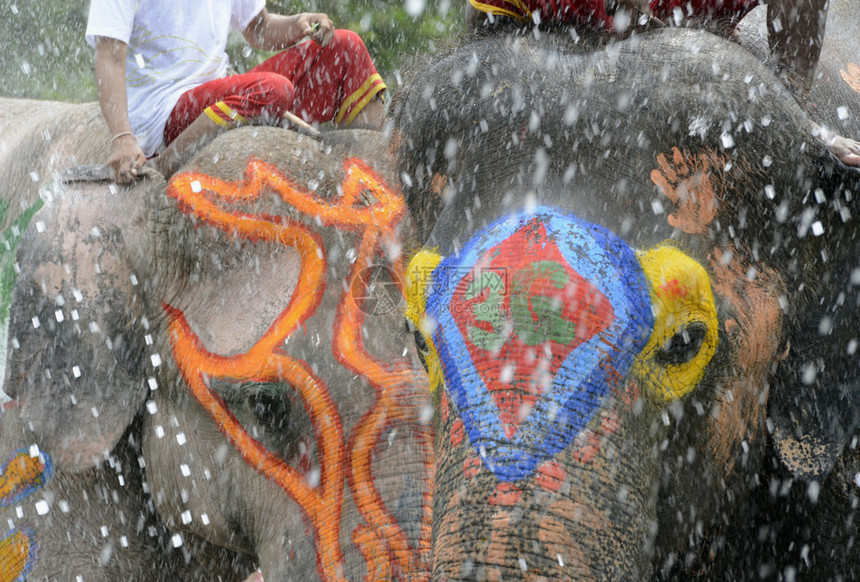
[
  {"x": 255, "y": 577},
  {"x": 847, "y": 150}
]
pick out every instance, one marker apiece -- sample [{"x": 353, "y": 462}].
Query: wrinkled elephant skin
[
  {"x": 623, "y": 256},
  {"x": 209, "y": 374},
  {"x": 833, "y": 98},
  {"x": 629, "y": 272}
]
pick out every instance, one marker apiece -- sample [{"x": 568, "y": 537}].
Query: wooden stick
[{"x": 301, "y": 124}]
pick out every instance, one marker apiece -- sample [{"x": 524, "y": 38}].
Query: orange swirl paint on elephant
[
  {"x": 382, "y": 541},
  {"x": 756, "y": 343}
]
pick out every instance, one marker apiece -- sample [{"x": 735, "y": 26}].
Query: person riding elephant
[
  {"x": 796, "y": 30},
  {"x": 715, "y": 15},
  {"x": 162, "y": 75}
]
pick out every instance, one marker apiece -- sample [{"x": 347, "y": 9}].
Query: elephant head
[
  {"x": 209, "y": 374},
  {"x": 636, "y": 278}
]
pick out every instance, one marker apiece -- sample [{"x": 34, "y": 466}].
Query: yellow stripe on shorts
[
  {"x": 360, "y": 98},
  {"x": 518, "y": 9}
]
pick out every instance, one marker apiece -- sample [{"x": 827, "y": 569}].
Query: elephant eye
[
  {"x": 420, "y": 344},
  {"x": 683, "y": 345},
  {"x": 266, "y": 412},
  {"x": 269, "y": 406}
]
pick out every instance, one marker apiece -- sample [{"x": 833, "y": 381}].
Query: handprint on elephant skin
[{"x": 693, "y": 181}]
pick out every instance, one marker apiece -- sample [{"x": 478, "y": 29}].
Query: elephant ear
[
  {"x": 76, "y": 325},
  {"x": 814, "y": 405}
]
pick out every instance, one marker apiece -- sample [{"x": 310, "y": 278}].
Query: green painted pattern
[
  {"x": 538, "y": 319},
  {"x": 490, "y": 311},
  {"x": 8, "y": 246}
]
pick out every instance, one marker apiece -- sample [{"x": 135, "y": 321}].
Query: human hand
[
  {"x": 847, "y": 150},
  {"x": 126, "y": 159},
  {"x": 318, "y": 27}
]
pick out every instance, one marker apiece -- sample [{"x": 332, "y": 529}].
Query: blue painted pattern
[{"x": 555, "y": 409}]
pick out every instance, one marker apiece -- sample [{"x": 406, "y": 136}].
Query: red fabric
[
  {"x": 593, "y": 12},
  {"x": 317, "y": 84},
  {"x": 732, "y": 10}
]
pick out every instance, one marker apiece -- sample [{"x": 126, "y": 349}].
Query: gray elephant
[
  {"x": 209, "y": 375},
  {"x": 636, "y": 297},
  {"x": 630, "y": 279}
]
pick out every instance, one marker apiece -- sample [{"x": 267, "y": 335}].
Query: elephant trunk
[
  {"x": 586, "y": 514},
  {"x": 545, "y": 460}
]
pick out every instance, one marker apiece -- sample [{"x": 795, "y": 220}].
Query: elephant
[
  {"x": 209, "y": 376},
  {"x": 597, "y": 322},
  {"x": 635, "y": 291}
]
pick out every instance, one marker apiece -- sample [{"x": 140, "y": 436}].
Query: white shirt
[{"x": 173, "y": 46}]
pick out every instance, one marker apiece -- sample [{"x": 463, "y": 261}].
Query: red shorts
[
  {"x": 593, "y": 12},
  {"x": 317, "y": 84}
]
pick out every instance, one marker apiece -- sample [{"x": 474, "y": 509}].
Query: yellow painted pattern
[
  {"x": 681, "y": 296},
  {"x": 230, "y": 112},
  {"x": 418, "y": 276},
  {"x": 14, "y": 557},
  {"x": 20, "y": 475}
]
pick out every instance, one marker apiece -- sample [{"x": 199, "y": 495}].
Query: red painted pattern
[
  {"x": 672, "y": 288},
  {"x": 458, "y": 433},
  {"x": 550, "y": 476},
  {"x": 343, "y": 460},
  {"x": 509, "y": 269},
  {"x": 472, "y": 466},
  {"x": 506, "y": 495}
]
